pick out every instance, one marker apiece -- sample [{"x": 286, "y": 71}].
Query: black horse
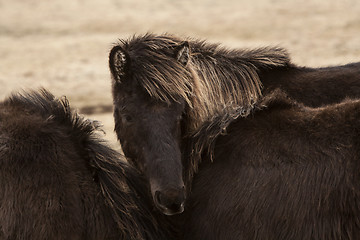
[
  {"x": 166, "y": 90},
  {"x": 59, "y": 180}
]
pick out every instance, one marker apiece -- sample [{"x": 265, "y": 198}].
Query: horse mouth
[{"x": 168, "y": 211}]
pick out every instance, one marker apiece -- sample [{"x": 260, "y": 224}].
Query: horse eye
[{"x": 126, "y": 118}]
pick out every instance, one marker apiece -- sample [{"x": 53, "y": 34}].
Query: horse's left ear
[
  {"x": 119, "y": 62},
  {"x": 182, "y": 53}
]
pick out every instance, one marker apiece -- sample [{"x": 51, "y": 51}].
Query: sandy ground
[{"x": 63, "y": 45}]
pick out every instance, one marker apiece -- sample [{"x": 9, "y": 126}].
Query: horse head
[{"x": 148, "y": 119}]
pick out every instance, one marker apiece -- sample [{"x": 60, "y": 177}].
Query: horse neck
[
  {"x": 200, "y": 145},
  {"x": 224, "y": 88}
]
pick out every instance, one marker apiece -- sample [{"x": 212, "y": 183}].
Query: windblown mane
[
  {"x": 214, "y": 82},
  {"x": 49, "y": 107},
  {"x": 123, "y": 188}
]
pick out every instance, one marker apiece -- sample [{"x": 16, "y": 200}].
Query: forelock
[{"x": 154, "y": 66}]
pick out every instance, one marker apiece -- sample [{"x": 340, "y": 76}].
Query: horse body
[
  {"x": 285, "y": 172},
  {"x": 167, "y": 89},
  {"x": 59, "y": 181}
]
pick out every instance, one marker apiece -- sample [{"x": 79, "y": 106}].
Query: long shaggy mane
[{"x": 215, "y": 81}]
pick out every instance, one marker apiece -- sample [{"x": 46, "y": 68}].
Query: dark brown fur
[
  {"x": 60, "y": 181},
  {"x": 284, "y": 172},
  {"x": 167, "y": 89},
  {"x": 314, "y": 86}
]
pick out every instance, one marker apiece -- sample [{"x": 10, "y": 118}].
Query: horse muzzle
[{"x": 171, "y": 201}]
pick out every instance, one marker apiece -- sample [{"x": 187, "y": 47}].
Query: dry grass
[{"x": 63, "y": 45}]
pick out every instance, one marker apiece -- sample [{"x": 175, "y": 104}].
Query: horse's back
[{"x": 314, "y": 86}]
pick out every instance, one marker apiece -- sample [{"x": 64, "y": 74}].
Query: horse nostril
[
  {"x": 178, "y": 208},
  {"x": 157, "y": 197},
  {"x": 161, "y": 200}
]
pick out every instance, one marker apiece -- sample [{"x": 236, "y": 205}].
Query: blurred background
[{"x": 63, "y": 45}]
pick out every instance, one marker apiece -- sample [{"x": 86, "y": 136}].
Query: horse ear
[
  {"x": 118, "y": 62},
  {"x": 182, "y": 53}
]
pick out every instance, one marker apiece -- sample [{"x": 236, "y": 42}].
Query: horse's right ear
[
  {"x": 119, "y": 62},
  {"x": 182, "y": 53}
]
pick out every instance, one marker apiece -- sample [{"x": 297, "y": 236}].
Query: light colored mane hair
[{"x": 215, "y": 80}]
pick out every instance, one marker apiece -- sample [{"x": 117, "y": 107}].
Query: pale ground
[{"x": 63, "y": 45}]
